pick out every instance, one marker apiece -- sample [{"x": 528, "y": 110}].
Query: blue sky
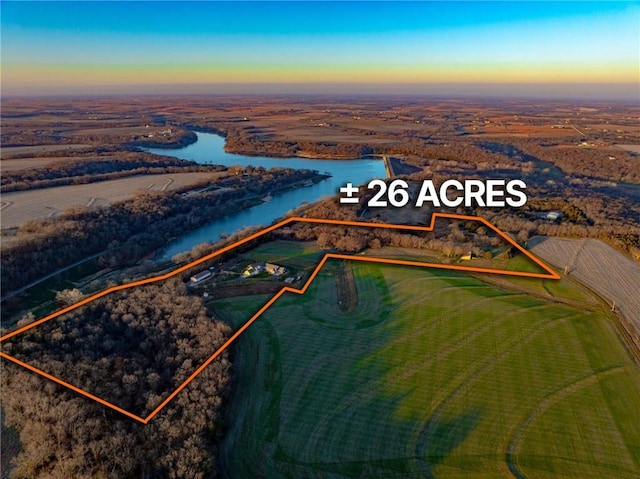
[{"x": 50, "y": 46}]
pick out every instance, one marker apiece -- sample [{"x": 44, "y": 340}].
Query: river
[{"x": 209, "y": 149}]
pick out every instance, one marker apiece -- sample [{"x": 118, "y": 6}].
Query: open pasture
[{"x": 434, "y": 374}]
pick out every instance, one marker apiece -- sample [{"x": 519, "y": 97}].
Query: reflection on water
[{"x": 209, "y": 149}]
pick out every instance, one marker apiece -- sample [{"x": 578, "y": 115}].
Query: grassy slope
[
  {"x": 435, "y": 374},
  {"x": 293, "y": 255}
]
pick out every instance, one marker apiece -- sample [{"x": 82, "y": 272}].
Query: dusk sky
[{"x": 526, "y": 48}]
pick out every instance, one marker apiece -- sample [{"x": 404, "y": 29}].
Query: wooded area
[
  {"x": 584, "y": 222},
  {"x": 131, "y": 348}
]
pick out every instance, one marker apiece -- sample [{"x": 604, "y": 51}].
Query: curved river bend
[{"x": 209, "y": 149}]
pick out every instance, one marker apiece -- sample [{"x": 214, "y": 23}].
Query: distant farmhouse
[
  {"x": 468, "y": 256},
  {"x": 273, "y": 269},
  {"x": 553, "y": 215}
]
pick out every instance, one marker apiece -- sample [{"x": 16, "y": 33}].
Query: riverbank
[
  {"x": 210, "y": 149},
  {"x": 261, "y": 153},
  {"x": 147, "y": 223},
  {"x": 299, "y": 154},
  {"x": 183, "y": 138}
]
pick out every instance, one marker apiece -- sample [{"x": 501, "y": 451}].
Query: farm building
[
  {"x": 553, "y": 215},
  {"x": 274, "y": 269},
  {"x": 201, "y": 276},
  {"x": 270, "y": 268}
]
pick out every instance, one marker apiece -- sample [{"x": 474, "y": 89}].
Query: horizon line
[{"x": 596, "y": 91}]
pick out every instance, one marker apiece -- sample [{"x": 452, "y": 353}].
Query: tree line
[
  {"x": 585, "y": 217},
  {"x": 77, "y": 172}
]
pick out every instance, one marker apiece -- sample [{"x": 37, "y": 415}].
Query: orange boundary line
[{"x": 550, "y": 274}]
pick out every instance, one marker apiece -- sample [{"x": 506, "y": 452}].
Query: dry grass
[
  {"x": 12, "y": 151},
  {"x": 115, "y": 131},
  {"x": 609, "y": 273},
  {"x": 21, "y": 206},
  {"x": 631, "y": 148},
  {"x": 28, "y": 163},
  {"x": 17, "y": 164},
  {"x": 533, "y": 131}
]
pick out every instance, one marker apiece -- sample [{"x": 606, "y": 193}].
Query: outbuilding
[{"x": 201, "y": 276}]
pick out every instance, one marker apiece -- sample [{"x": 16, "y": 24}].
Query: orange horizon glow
[{"x": 63, "y": 75}]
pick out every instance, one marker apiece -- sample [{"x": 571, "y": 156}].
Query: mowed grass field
[
  {"x": 435, "y": 374},
  {"x": 296, "y": 256}
]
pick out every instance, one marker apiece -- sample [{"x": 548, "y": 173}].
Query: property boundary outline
[{"x": 550, "y": 274}]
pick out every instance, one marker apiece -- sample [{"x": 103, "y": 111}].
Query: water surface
[{"x": 209, "y": 149}]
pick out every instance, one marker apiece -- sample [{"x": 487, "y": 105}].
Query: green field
[
  {"x": 296, "y": 256},
  {"x": 435, "y": 374},
  {"x": 563, "y": 288}
]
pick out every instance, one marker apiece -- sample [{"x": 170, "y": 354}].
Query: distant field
[
  {"x": 434, "y": 374},
  {"x": 631, "y": 148},
  {"x": 8, "y": 152},
  {"x": 511, "y": 128},
  {"x": 21, "y": 206},
  {"x": 113, "y": 131},
  {"x": 28, "y": 163},
  {"x": 39, "y": 162},
  {"x": 599, "y": 266}
]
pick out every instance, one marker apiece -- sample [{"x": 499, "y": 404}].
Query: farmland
[
  {"x": 26, "y": 151},
  {"x": 433, "y": 374},
  {"x": 609, "y": 273},
  {"x": 29, "y": 163},
  {"x": 23, "y": 206},
  {"x": 376, "y": 371}
]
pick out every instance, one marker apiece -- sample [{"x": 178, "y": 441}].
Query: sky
[{"x": 552, "y": 49}]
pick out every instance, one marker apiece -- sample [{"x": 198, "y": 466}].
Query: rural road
[{"x": 44, "y": 278}]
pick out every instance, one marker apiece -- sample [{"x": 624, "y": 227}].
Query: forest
[{"x": 131, "y": 348}]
